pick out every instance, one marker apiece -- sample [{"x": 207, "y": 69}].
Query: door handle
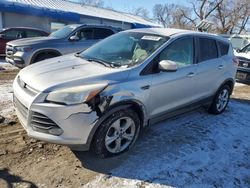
[
  {"x": 145, "y": 87},
  {"x": 220, "y": 66},
  {"x": 190, "y": 75}
]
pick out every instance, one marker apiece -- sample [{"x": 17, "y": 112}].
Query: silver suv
[
  {"x": 102, "y": 97},
  {"x": 70, "y": 39}
]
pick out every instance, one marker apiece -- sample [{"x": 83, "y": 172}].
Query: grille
[
  {"x": 26, "y": 87},
  {"x": 23, "y": 110},
  {"x": 9, "y": 51},
  {"x": 42, "y": 122}
]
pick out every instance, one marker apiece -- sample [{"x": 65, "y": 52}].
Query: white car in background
[{"x": 243, "y": 72}]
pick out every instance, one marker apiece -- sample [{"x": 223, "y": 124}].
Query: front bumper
[
  {"x": 76, "y": 121},
  {"x": 243, "y": 74},
  {"x": 18, "y": 62}
]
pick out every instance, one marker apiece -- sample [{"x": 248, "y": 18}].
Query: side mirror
[
  {"x": 238, "y": 50},
  {"x": 2, "y": 36},
  {"x": 74, "y": 38},
  {"x": 168, "y": 66}
]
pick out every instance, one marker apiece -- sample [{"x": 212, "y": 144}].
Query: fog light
[
  {"x": 18, "y": 61},
  {"x": 55, "y": 131}
]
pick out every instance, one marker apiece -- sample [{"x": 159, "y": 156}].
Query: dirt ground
[{"x": 25, "y": 162}]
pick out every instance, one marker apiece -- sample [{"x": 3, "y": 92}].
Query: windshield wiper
[{"x": 99, "y": 61}]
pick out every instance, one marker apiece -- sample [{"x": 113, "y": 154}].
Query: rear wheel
[
  {"x": 221, "y": 100},
  {"x": 116, "y": 134}
]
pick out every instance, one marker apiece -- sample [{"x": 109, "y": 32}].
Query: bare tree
[
  {"x": 204, "y": 8},
  {"x": 232, "y": 16},
  {"x": 172, "y": 15},
  {"x": 96, "y": 3},
  {"x": 141, "y": 11}
]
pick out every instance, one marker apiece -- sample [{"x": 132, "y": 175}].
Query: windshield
[
  {"x": 246, "y": 49},
  {"x": 126, "y": 48},
  {"x": 64, "y": 32}
]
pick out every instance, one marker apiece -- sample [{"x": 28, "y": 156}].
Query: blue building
[{"x": 50, "y": 15}]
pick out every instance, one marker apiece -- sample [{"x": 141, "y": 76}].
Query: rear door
[{"x": 209, "y": 68}]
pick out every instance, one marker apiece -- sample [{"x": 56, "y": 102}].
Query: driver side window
[
  {"x": 180, "y": 51},
  {"x": 85, "y": 34}
]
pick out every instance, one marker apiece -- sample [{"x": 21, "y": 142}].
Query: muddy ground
[{"x": 25, "y": 162}]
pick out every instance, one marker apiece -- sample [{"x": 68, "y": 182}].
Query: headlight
[
  {"x": 75, "y": 95},
  {"x": 23, "y": 48}
]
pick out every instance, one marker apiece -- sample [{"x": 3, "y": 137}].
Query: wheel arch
[
  {"x": 121, "y": 105},
  {"x": 44, "y": 51},
  {"x": 230, "y": 82}
]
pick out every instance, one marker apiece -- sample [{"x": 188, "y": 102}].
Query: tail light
[{"x": 236, "y": 61}]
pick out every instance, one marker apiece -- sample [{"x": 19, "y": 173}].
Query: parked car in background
[
  {"x": 237, "y": 41},
  {"x": 243, "y": 72},
  {"x": 102, "y": 97},
  {"x": 14, "y": 33},
  {"x": 69, "y": 39}
]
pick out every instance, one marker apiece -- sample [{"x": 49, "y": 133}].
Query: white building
[{"x": 51, "y": 14}]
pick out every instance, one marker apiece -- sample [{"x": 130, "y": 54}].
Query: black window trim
[{"x": 147, "y": 69}]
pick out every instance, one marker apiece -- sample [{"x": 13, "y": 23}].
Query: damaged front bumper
[{"x": 71, "y": 125}]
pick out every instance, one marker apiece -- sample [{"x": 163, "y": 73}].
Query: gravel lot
[{"x": 192, "y": 150}]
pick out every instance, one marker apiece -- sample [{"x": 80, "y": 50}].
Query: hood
[
  {"x": 68, "y": 71},
  {"x": 244, "y": 55},
  {"x": 31, "y": 41}
]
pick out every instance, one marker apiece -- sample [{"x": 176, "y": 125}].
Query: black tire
[
  {"x": 214, "y": 108},
  {"x": 43, "y": 57},
  {"x": 98, "y": 143}
]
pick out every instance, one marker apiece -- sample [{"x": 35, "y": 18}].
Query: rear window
[
  {"x": 102, "y": 33},
  {"x": 208, "y": 49},
  {"x": 223, "y": 48}
]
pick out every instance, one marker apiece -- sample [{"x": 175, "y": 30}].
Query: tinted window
[
  {"x": 180, "y": 51},
  {"x": 30, "y": 33},
  {"x": 208, "y": 49},
  {"x": 102, "y": 33},
  {"x": 223, "y": 47},
  {"x": 14, "y": 34}
]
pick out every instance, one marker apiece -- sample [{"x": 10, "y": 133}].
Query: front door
[{"x": 171, "y": 90}]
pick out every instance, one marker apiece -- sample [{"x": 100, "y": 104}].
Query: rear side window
[
  {"x": 102, "y": 33},
  {"x": 208, "y": 49},
  {"x": 223, "y": 48},
  {"x": 14, "y": 34},
  {"x": 33, "y": 33}
]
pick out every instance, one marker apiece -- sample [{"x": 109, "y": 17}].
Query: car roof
[
  {"x": 161, "y": 31},
  {"x": 28, "y": 28},
  {"x": 172, "y": 32},
  {"x": 93, "y": 25}
]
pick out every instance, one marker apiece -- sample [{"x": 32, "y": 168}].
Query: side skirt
[{"x": 181, "y": 110}]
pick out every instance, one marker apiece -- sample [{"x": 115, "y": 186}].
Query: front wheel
[
  {"x": 116, "y": 134},
  {"x": 221, "y": 100}
]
